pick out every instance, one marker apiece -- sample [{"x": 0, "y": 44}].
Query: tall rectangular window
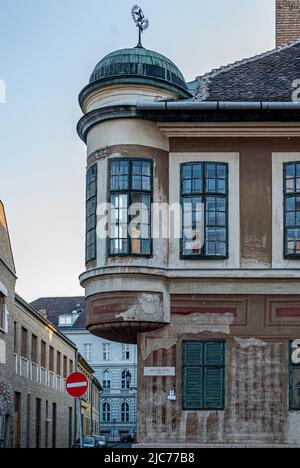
[
  {"x": 130, "y": 188},
  {"x": 16, "y": 330},
  {"x": 125, "y": 352},
  {"x": 106, "y": 352},
  {"x": 43, "y": 355},
  {"x": 51, "y": 359},
  {"x": 24, "y": 343},
  {"x": 34, "y": 350},
  {"x": 71, "y": 366},
  {"x": 58, "y": 363},
  {"x": 292, "y": 210},
  {"x": 294, "y": 378},
  {"x": 2, "y": 311},
  {"x": 204, "y": 192},
  {"x": 65, "y": 367},
  {"x": 54, "y": 425},
  {"x": 38, "y": 405},
  {"x": 88, "y": 352},
  {"x": 203, "y": 375},
  {"x": 91, "y": 213}
]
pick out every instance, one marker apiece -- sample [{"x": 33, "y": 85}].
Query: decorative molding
[
  {"x": 103, "y": 153},
  {"x": 229, "y": 130}
]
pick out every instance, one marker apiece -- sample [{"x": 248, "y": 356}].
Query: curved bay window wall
[
  {"x": 292, "y": 210},
  {"x": 130, "y": 196},
  {"x": 204, "y": 198},
  {"x": 91, "y": 213}
]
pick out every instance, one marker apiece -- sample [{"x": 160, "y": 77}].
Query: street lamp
[{"x": 132, "y": 389}]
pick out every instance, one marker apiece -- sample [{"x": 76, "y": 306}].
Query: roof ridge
[{"x": 204, "y": 80}]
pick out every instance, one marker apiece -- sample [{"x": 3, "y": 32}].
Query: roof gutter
[{"x": 218, "y": 105}]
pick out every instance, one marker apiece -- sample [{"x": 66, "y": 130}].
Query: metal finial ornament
[{"x": 141, "y": 22}]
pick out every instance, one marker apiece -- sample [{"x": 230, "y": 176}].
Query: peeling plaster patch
[
  {"x": 251, "y": 342},
  {"x": 156, "y": 344},
  {"x": 193, "y": 324},
  {"x": 148, "y": 308}
]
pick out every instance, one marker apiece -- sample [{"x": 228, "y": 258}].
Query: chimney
[
  {"x": 43, "y": 313},
  {"x": 287, "y": 21}
]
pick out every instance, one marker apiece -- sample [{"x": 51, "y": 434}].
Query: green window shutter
[
  {"x": 193, "y": 353},
  {"x": 214, "y": 388},
  {"x": 193, "y": 388},
  {"x": 214, "y": 353},
  {"x": 203, "y": 375}
]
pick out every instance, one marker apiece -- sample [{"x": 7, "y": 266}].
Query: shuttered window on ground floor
[{"x": 203, "y": 375}]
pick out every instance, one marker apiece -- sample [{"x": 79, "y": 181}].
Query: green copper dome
[
  {"x": 138, "y": 66},
  {"x": 138, "y": 62}
]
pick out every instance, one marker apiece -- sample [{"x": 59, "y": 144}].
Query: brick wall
[{"x": 287, "y": 21}]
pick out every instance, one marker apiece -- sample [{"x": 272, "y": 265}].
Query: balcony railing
[
  {"x": 38, "y": 375},
  {"x": 34, "y": 372},
  {"x": 24, "y": 367},
  {"x": 51, "y": 380},
  {"x": 43, "y": 378}
]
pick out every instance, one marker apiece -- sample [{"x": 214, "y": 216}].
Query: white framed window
[
  {"x": 3, "y": 314},
  {"x": 106, "y": 351},
  {"x": 285, "y": 203},
  {"x": 106, "y": 412},
  {"x": 125, "y": 412},
  {"x": 125, "y": 352},
  {"x": 88, "y": 352},
  {"x": 65, "y": 321},
  {"x": 106, "y": 380},
  {"x": 126, "y": 379}
]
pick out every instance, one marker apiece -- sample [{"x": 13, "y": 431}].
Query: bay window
[{"x": 130, "y": 195}]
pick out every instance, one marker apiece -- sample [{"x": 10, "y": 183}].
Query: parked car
[
  {"x": 88, "y": 443},
  {"x": 129, "y": 438},
  {"x": 101, "y": 441}
]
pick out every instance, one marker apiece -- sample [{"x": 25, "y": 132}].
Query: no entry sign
[{"x": 77, "y": 385}]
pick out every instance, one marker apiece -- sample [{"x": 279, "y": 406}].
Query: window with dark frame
[
  {"x": 130, "y": 183},
  {"x": 16, "y": 331},
  {"x": 294, "y": 382},
  {"x": 2, "y": 311},
  {"x": 34, "y": 349},
  {"x": 51, "y": 359},
  {"x": 58, "y": 363},
  {"x": 24, "y": 343},
  {"x": 43, "y": 355},
  {"x": 205, "y": 184},
  {"x": 203, "y": 375},
  {"x": 125, "y": 413},
  {"x": 65, "y": 367},
  {"x": 292, "y": 210},
  {"x": 91, "y": 213},
  {"x": 106, "y": 412}
]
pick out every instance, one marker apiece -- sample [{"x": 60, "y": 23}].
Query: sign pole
[
  {"x": 77, "y": 385},
  {"x": 79, "y": 417}
]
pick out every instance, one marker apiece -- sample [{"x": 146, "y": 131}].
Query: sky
[{"x": 48, "y": 49}]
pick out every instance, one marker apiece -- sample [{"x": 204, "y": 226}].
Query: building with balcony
[
  {"x": 113, "y": 364},
  {"x": 35, "y": 360},
  {"x": 215, "y": 312}
]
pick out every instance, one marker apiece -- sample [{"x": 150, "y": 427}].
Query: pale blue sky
[{"x": 48, "y": 49}]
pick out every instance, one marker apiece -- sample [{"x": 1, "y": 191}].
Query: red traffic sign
[{"x": 77, "y": 385}]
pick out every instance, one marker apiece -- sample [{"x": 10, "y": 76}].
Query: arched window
[
  {"x": 106, "y": 412},
  {"x": 126, "y": 379},
  {"x": 125, "y": 412},
  {"x": 106, "y": 380}
]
